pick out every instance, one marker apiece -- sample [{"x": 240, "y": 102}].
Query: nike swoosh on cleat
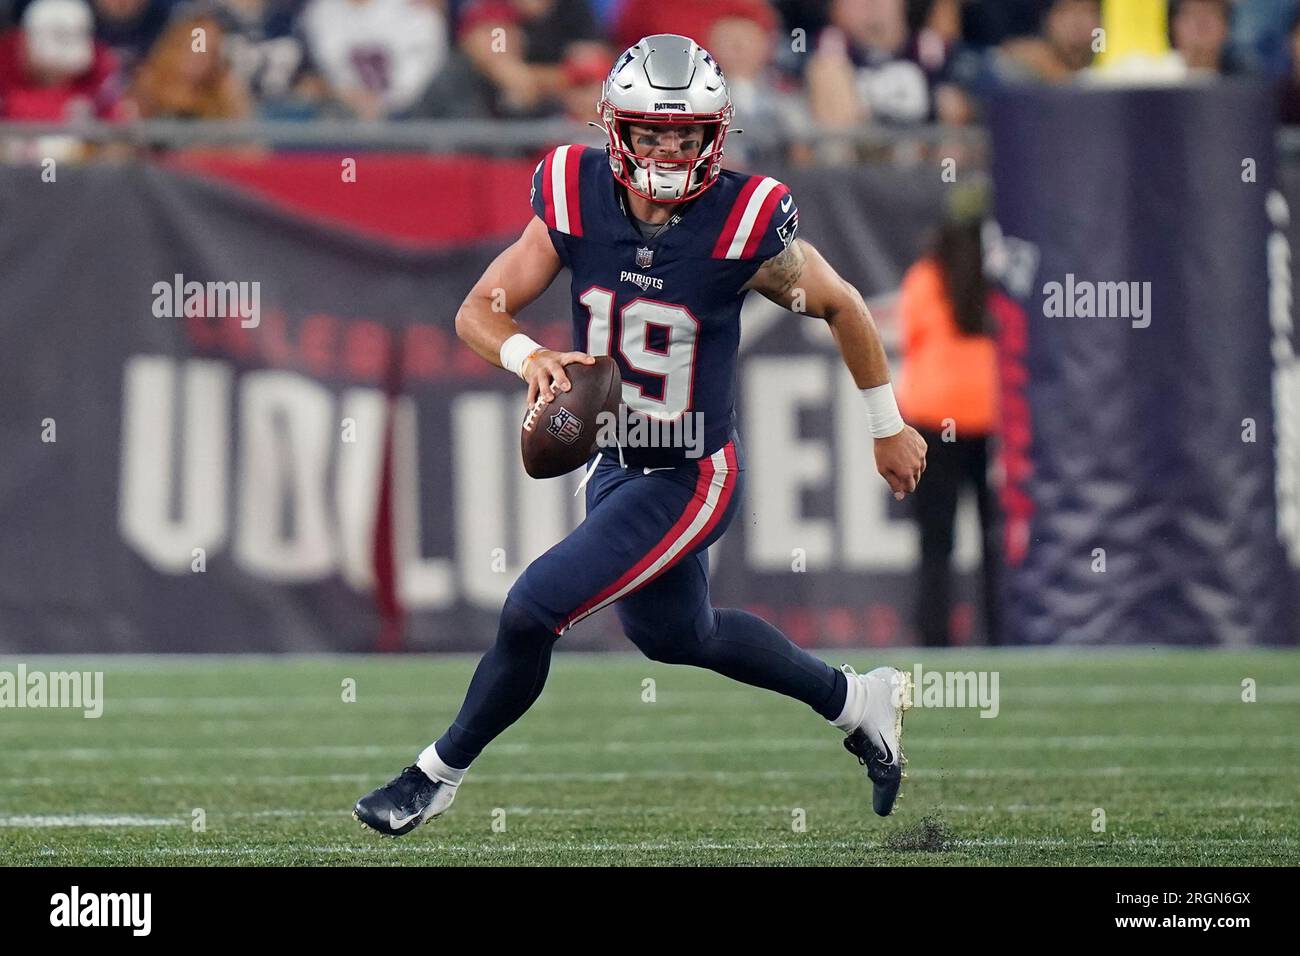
[
  {"x": 889, "y": 754},
  {"x": 398, "y": 822}
]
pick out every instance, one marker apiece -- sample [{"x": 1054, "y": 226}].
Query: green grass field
[{"x": 710, "y": 773}]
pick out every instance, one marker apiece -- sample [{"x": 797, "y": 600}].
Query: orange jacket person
[{"x": 948, "y": 390}]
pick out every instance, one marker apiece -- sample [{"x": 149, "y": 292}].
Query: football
[{"x": 559, "y": 437}]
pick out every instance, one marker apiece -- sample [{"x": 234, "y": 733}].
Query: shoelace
[{"x": 411, "y": 776}]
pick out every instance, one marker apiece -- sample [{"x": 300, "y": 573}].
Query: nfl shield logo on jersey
[
  {"x": 644, "y": 256},
  {"x": 565, "y": 426}
]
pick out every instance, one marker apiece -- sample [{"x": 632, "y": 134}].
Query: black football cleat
[
  {"x": 403, "y": 803},
  {"x": 878, "y": 741}
]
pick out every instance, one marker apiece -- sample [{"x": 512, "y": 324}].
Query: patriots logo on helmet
[
  {"x": 565, "y": 426},
  {"x": 708, "y": 58},
  {"x": 623, "y": 60}
]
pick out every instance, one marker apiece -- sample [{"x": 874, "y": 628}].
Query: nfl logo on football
[{"x": 565, "y": 426}]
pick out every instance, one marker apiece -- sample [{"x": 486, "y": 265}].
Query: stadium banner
[
  {"x": 235, "y": 424},
  {"x": 1148, "y": 376}
]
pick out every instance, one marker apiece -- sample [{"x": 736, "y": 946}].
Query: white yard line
[
  {"x": 96, "y": 820},
  {"x": 215, "y": 818},
  {"x": 1012, "y": 695},
  {"x": 1220, "y": 742},
  {"x": 719, "y": 776},
  {"x": 550, "y": 847}
]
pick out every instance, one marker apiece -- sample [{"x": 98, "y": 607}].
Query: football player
[{"x": 662, "y": 245}]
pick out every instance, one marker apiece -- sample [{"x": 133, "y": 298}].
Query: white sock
[
  {"x": 435, "y": 768},
  {"x": 855, "y": 706}
]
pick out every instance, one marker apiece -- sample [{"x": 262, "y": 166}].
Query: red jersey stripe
[{"x": 733, "y": 220}]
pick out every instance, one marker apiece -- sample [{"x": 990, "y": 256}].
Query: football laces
[{"x": 533, "y": 413}]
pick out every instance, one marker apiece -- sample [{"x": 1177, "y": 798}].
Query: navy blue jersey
[{"x": 667, "y": 309}]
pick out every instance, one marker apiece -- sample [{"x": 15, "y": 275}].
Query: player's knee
[
  {"x": 520, "y": 624},
  {"x": 665, "y": 650},
  {"x": 664, "y": 643}
]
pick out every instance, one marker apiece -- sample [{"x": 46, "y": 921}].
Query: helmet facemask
[{"x": 665, "y": 180}]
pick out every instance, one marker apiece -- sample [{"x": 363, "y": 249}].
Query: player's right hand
[
  {"x": 900, "y": 459},
  {"x": 544, "y": 373}
]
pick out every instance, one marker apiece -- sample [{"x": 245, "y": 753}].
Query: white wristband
[
  {"x": 514, "y": 350},
  {"x": 882, "y": 411}
]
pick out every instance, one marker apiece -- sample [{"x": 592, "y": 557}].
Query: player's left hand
[
  {"x": 545, "y": 375},
  {"x": 900, "y": 459}
]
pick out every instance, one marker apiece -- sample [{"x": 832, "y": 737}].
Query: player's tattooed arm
[
  {"x": 802, "y": 281},
  {"x": 777, "y": 277},
  {"x": 799, "y": 279}
]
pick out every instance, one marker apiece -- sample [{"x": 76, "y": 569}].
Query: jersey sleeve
[
  {"x": 536, "y": 195},
  {"x": 542, "y": 199},
  {"x": 556, "y": 195},
  {"x": 763, "y": 220},
  {"x": 781, "y": 226}
]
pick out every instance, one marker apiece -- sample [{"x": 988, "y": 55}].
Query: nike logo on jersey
[
  {"x": 397, "y": 822},
  {"x": 785, "y": 203}
]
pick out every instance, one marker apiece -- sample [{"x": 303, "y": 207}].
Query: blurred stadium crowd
[{"x": 829, "y": 64}]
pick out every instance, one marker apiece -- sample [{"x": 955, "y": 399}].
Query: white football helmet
[{"x": 666, "y": 78}]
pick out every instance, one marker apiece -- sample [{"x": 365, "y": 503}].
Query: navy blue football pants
[{"x": 641, "y": 548}]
